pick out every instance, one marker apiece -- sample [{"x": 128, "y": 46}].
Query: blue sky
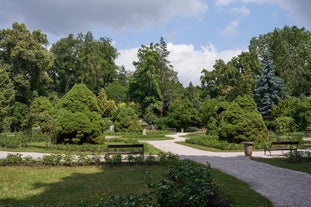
[{"x": 198, "y": 32}]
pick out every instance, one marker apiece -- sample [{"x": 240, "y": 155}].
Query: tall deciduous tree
[
  {"x": 154, "y": 79},
  {"x": 269, "y": 88},
  {"x": 7, "y": 95},
  {"x": 83, "y": 59},
  {"x": 290, "y": 49},
  {"x": 28, "y": 58},
  {"x": 144, "y": 85},
  {"x": 168, "y": 77}
]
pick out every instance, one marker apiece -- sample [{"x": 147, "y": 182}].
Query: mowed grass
[
  {"x": 85, "y": 186},
  {"x": 303, "y": 166},
  {"x": 71, "y": 186}
]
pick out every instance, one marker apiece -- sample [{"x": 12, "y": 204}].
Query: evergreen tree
[
  {"x": 269, "y": 88},
  {"x": 78, "y": 118}
]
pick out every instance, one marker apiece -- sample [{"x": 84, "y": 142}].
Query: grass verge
[{"x": 304, "y": 166}]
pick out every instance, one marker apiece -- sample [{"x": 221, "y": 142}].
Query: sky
[{"x": 197, "y": 32}]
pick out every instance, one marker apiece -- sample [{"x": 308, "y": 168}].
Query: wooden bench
[
  {"x": 282, "y": 145},
  {"x": 113, "y": 149}
]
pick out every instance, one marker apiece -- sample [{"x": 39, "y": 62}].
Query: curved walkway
[{"x": 285, "y": 188}]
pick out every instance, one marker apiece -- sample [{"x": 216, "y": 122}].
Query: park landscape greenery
[{"x": 66, "y": 98}]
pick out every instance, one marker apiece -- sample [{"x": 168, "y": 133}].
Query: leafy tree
[
  {"x": 144, "y": 84},
  {"x": 7, "y": 94},
  {"x": 154, "y": 79},
  {"x": 19, "y": 119},
  {"x": 107, "y": 107},
  {"x": 219, "y": 81},
  {"x": 127, "y": 120},
  {"x": 182, "y": 114},
  {"x": 77, "y": 117},
  {"x": 117, "y": 92},
  {"x": 168, "y": 77},
  {"x": 290, "y": 49},
  {"x": 268, "y": 87},
  {"x": 300, "y": 111},
  {"x": 83, "y": 59},
  {"x": 42, "y": 115},
  {"x": 28, "y": 60}
]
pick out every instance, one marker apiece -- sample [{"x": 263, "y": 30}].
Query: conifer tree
[{"x": 269, "y": 88}]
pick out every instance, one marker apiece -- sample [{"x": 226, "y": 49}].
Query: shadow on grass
[{"x": 86, "y": 188}]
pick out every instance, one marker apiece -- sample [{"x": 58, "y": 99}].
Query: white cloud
[
  {"x": 59, "y": 17},
  {"x": 223, "y": 2},
  {"x": 299, "y": 9},
  {"x": 187, "y": 61},
  {"x": 231, "y": 29},
  {"x": 241, "y": 10}
]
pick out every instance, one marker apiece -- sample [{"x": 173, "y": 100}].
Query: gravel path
[{"x": 285, "y": 188}]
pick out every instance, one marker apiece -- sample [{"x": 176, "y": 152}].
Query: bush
[
  {"x": 284, "y": 124},
  {"x": 14, "y": 141},
  {"x": 188, "y": 184},
  {"x": 77, "y": 117},
  {"x": 213, "y": 142}
]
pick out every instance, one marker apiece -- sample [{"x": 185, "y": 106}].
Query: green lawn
[
  {"x": 304, "y": 166},
  {"x": 85, "y": 186},
  {"x": 71, "y": 186}
]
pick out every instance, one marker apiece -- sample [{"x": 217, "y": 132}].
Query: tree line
[{"x": 39, "y": 86}]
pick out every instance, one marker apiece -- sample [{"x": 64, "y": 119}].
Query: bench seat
[
  {"x": 113, "y": 149},
  {"x": 282, "y": 145}
]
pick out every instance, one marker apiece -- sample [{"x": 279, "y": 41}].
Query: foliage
[
  {"x": 268, "y": 89},
  {"x": 188, "y": 184},
  {"x": 290, "y": 52},
  {"x": 182, "y": 114},
  {"x": 42, "y": 115},
  {"x": 83, "y": 59},
  {"x": 7, "y": 94},
  {"x": 19, "y": 119},
  {"x": 213, "y": 142},
  {"x": 14, "y": 141},
  {"x": 284, "y": 124},
  {"x": 235, "y": 122},
  {"x": 126, "y": 120},
  {"x": 154, "y": 79},
  {"x": 77, "y": 117},
  {"x": 28, "y": 60},
  {"x": 298, "y": 109},
  {"x": 107, "y": 107}
]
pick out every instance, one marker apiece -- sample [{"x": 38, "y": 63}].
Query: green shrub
[
  {"x": 14, "y": 141},
  {"x": 284, "y": 124},
  {"x": 188, "y": 184},
  {"x": 77, "y": 117},
  {"x": 213, "y": 142}
]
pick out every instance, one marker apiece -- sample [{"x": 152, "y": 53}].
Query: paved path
[{"x": 285, "y": 188}]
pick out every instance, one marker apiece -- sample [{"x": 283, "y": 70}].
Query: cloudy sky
[{"x": 198, "y": 32}]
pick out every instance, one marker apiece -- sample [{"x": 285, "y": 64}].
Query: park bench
[
  {"x": 121, "y": 149},
  {"x": 282, "y": 145}
]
